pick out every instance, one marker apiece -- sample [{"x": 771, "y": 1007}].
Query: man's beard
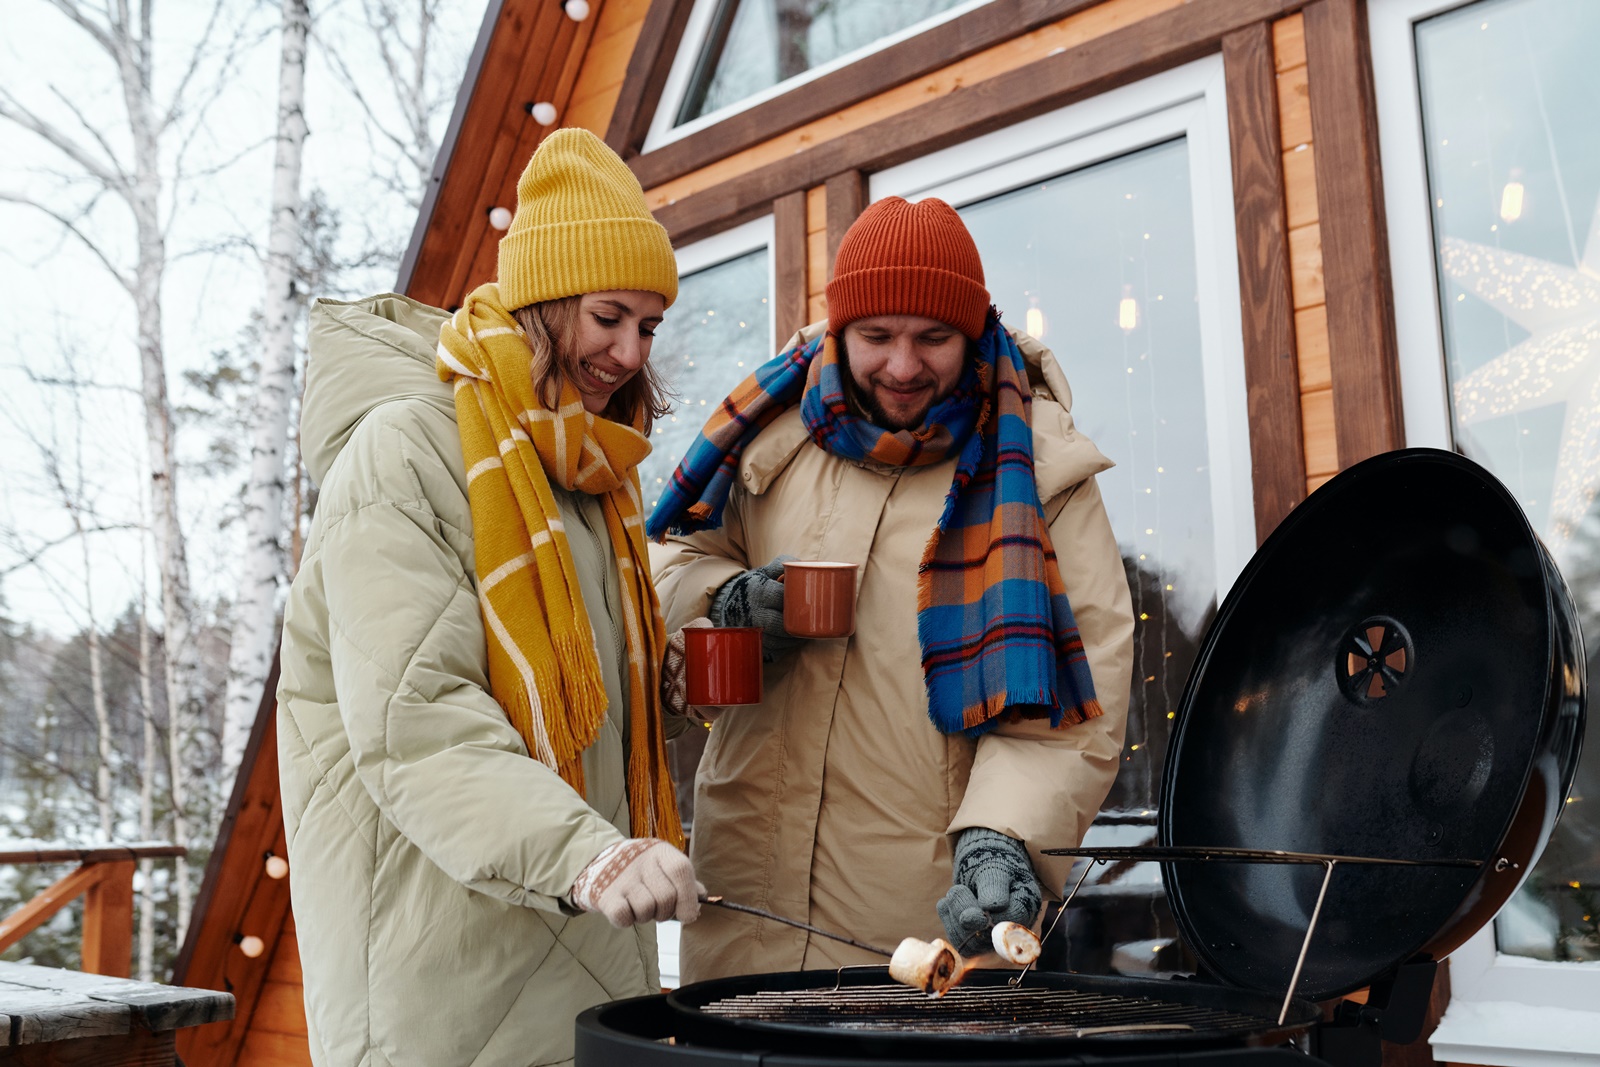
[{"x": 863, "y": 399}]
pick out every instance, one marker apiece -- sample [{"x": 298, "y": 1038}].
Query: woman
[{"x": 474, "y": 593}]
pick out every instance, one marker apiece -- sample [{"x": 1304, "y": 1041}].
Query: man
[{"x": 900, "y": 782}]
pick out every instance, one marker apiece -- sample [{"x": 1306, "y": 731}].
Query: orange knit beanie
[{"x": 900, "y": 258}]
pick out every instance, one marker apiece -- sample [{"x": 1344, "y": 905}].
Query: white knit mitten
[
  {"x": 674, "y": 683},
  {"x": 642, "y": 879}
]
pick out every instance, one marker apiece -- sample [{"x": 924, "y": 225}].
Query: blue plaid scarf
[{"x": 996, "y": 629}]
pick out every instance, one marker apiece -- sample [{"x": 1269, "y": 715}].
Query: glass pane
[
  {"x": 716, "y": 333},
  {"x": 1509, "y": 90},
  {"x": 755, "y": 44},
  {"x": 1099, "y": 264}
]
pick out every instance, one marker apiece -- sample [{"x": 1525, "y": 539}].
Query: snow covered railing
[{"x": 104, "y": 878}]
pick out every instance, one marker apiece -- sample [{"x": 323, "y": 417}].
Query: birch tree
[
  {"x": 141, "y": 160},
  {"x": 255, "y": 610}
]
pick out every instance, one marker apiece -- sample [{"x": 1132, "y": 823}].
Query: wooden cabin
[{"x": 1266, "y": 239}]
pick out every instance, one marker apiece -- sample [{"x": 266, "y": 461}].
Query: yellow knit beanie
[{"x": 582, "y": 227}]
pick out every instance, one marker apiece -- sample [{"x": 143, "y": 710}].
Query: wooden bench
[{"x": 72, "y": 1019}]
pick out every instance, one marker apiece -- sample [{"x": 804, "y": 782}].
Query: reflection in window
[
  {"x": 755, "y": 44},
  {"x": 714, "y": 335},
  {"x": 1099, "y": 264},
  {"x": 1508, "y": 99}
]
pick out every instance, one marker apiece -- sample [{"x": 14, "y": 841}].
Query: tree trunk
[
  {"x": 255, "y": 612},
  {"x": 182, "y": 666},
  {"x": 147, "y": 788}
]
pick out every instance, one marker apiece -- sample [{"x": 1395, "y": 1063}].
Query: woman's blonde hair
[{"x": 552, "y": 330}]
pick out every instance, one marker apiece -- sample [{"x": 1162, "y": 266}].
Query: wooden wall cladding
[
  {"x": 1097, "y": 49},
  {"x": 995, "y": 23},
  {"x": 1364, "y": 355},
  {"x": 1305, "y": 250},
  {"x": 818, "y": 261},
  {"x": 238, "y": 898},
  {"x": 1272, "y": 375},
  {"x": 531, "y": 52}
]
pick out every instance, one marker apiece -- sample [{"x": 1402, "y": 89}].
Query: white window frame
[
  {"x": 663, "y": 132},
  {"x": 1507, "y": 1010},
  {"x": 730, "y": 244},
  {"x": 1189, "y": 102}
]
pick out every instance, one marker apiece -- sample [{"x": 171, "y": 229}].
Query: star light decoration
[{"x": 1560, "y": 363}]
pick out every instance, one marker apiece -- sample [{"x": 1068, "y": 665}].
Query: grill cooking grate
[{"x": 1021, "y": 1012}]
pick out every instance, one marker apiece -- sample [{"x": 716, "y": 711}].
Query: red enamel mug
[{"x": 722, "y": 665}]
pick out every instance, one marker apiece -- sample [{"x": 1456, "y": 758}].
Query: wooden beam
[
  {"x": 847, "y": 197},
  {"x": 108, "y": 921},
  {"x": 1117, "y": 58},
  {"x": 939, "y": 46},
  {"x": 140, "y": 1048},
  {"x": 1271, "y": 368},
  {"x": 648, "y": 68},
  {"x": 46, "y": 903},
  {"x": 789, "y": 266},
  {"x": 1363, "y": 354}
]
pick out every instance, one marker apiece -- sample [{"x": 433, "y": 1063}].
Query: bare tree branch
[
  {"x": 13, "y": 109},
  {"x": 72, "y": 227},
  {"x": 73, "y": 11}
]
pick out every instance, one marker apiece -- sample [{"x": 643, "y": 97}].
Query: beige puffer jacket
[
  {"x": 428, "y": 853},
  {"x": 834, "y": 801}
]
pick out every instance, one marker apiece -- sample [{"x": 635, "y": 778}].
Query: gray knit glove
[
  {"x": 993, "y": 882},
  {"x": 755, "y": 598}
]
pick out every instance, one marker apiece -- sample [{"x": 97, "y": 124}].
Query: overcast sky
[{"x": 55, "y": 297}]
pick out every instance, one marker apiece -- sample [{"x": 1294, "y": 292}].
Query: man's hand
[
  {"x": 755, "y": 598},
  {"x": 994, "y": 882},
  {"x": 642, "y": 879}
]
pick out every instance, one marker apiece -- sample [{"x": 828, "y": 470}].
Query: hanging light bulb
[
  {"x": 1511, "y": 198},
  {"x": 1128, "y": 310},
  {"x": 543, "y": 112},
  {"x": 251, "y": 945},
  {"x": 277, "y": 866},
  {"x": 500, "y": 218},
  {"x": 1034, "y": 321},
  {"x": 577, "y": 10}
]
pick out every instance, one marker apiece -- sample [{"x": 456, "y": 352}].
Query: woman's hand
[
  {"x": 674, "y": 668},
  {"x": 642, "y": 879}
]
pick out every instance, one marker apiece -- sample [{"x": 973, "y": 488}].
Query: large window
[
  {"x": 713, "y": 336},
  {"x": 736, "y": 53},
  {"x": 1492, "y": 173},
  {"x": 1106, "y": 232}
]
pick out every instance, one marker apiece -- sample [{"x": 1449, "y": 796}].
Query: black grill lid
[{"x": 1397, "y": 673}]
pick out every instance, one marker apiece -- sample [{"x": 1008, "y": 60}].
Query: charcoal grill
[{"x": 1369, "y": 755}]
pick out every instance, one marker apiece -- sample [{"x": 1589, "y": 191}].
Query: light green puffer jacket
[{"x": 428, "y": 853}]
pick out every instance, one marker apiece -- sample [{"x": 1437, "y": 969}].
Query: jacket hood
[
  {"x": 363, "y": 354},
  {"x": 1062, "y": 456}
]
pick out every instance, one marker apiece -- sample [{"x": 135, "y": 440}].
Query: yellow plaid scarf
[{"x": 543, "y": 666}]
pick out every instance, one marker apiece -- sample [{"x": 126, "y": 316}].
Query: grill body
[
  {"x": 861, "y": 1010},
  {"x": 636, "y": 1033}
]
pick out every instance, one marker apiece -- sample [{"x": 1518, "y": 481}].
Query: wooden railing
[{"x": 104, "y": 879}]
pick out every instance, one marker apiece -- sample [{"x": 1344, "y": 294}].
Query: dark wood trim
[
  {"x": 1271, "y": 365},
  {"x": 1362, "y": 350},
  {"x": 789, "y": 266},
  {"x": 847, "y": 197},
  {"x": 940, "y": 46},
  {"x": 260, "y": 731},
  {"x": 447, "y": 146},
  {"x": 1148, "y": 47},
  {"x": 648, "y": 68}
]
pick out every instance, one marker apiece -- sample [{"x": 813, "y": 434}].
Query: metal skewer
[{"x": 718, "y": 902}]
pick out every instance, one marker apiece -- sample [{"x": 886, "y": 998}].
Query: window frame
[
  {"x": 732, "y": 243},
  {"x": 662, "y": 130},
  {"x": 1189, "y": 101},
  {"x": 1497, "y": 1002}
]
